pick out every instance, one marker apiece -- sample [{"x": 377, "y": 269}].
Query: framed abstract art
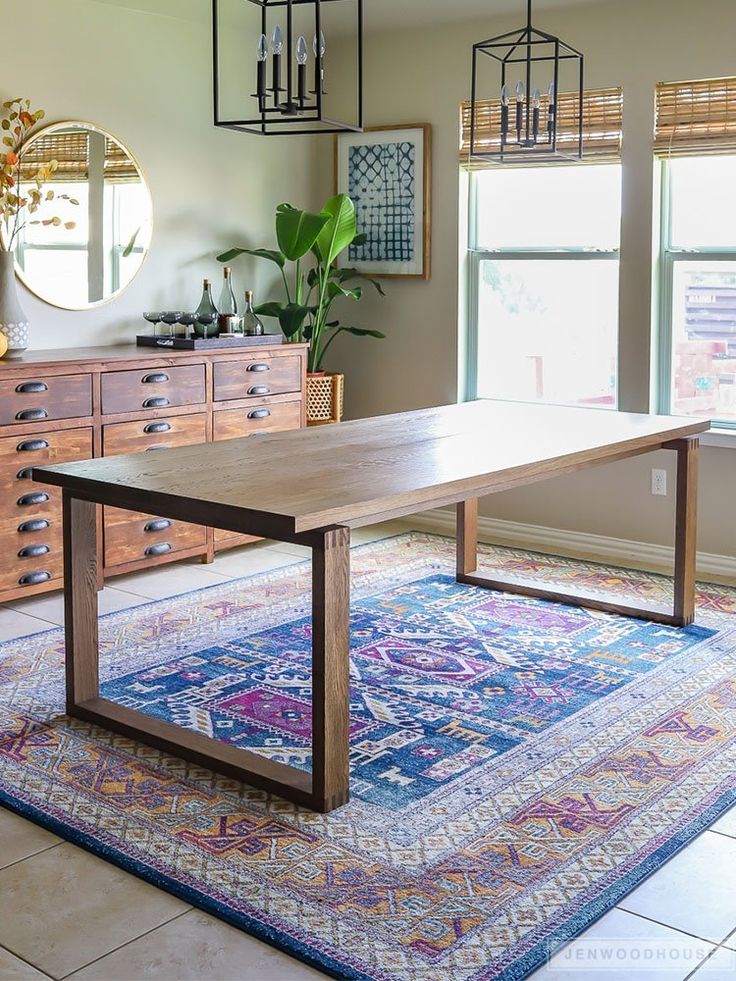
[{"x": 386, "y": 172}]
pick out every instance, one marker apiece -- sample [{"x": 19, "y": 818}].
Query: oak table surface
[{"x": 388, "y": 465}]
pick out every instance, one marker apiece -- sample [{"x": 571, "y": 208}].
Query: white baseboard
[{"x": 577, "y": 544}]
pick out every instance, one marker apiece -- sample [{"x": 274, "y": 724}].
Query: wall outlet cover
[{"x": 659, "y": 483}]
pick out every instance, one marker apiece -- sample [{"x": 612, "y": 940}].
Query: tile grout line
[
  {"x": 27, "y": 858},
  {"x": 24, "y": 961},
  {"x": 146, "y": 933},
  {"x": 686, "y": 933},
  {"x": 723, "y": 834}
]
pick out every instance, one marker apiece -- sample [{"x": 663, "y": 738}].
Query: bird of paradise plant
[
  {"x": 22, "y": 188},
  {"x": 311, "y": 290}
]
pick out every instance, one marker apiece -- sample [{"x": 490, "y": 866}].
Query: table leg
[
  {"x": 680, "y": 615},
  {"x": 331, "y": 670},
  {"x": 467, "y": 537},
  {"x": 80, "y": 600},
  {"x": 686, "y": 525}
]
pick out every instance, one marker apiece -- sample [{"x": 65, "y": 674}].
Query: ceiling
[{"x": 379, "y": 14}]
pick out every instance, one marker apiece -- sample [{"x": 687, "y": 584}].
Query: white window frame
[
  {"x": 477, "y": 255},
  {"x": 668, "y": 258}
]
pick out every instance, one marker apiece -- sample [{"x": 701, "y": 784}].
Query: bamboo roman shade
[
  {"x": 602, "y": 128},
  {"x": 694, "y": 118},
  {"x": 71, "y": 152}
]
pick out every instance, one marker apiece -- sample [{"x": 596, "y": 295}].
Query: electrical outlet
[{"x": 659, "y": 483}]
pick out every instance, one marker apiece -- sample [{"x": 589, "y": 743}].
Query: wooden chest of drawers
[{"x": 74, "y": 404}]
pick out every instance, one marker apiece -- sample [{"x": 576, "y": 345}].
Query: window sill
[{"x": 720, "y": 437}]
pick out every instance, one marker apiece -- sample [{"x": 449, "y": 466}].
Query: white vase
[{"x": 13, "y": 321}]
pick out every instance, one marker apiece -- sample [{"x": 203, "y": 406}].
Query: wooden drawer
[
  {"x": 149, "y": 434},
  {"x": 19, "y": 454},
  {"x": 37, "y": 399},
  {"x": 273, "y": 418},
  {"x": 27, "y": 573},
  {"x": 154, "y": 388},
  {"x": 257, "y": 378},
  {"x": 133, "y": 537}
]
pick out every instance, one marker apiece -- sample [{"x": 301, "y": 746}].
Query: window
[
  {"x": 543, "y": 268},
  {"x": 544, "y": 284},
  {"x": 696, "y": 127}
]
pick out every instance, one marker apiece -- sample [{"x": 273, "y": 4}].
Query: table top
[{"x": 373, "y": 468}]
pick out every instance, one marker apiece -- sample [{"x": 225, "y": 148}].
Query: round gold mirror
[{"x": 92, "y": 230}]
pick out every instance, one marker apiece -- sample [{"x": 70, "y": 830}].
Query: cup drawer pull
[
  {"x": 259, "y": 390},
  {"x": 25, "y": 474},
  {"x": 156, "y": 378},
  {"x": 156, "y": 403},
  {"x": 32, "y": 445},
  {"x": 259, "y": 414},
  {"x": 31, "y": 415},
  {"x": 162, "y": 548},
  {"x": 32, "y": 388},
  {"x": 33, "y": 551},
  {"x": 160, "y": 524},
  {"x": 37, "y": 524},
  {"x": 157, "y": 427},
  {"x": 31, "y": 500},
  {"x": 34, "y": 578},
  {"x": 259, "y": 366}
]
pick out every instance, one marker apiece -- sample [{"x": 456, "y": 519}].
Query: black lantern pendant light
[
  {"x": 534, "y": 65},
  {"x": 283, "y": 66}
]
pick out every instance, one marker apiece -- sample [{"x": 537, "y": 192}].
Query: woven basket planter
[{"x": 325, "y": 398}]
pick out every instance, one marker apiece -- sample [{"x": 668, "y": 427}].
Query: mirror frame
[{"x": 83, "y": 124}]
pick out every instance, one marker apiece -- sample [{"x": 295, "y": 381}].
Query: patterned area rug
[{"x": 517, "y": 766}]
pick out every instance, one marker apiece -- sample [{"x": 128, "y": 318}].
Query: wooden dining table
[{"x": 311, "y": 487}]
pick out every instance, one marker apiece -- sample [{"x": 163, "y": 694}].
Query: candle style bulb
[
  {"x": 301, "y": 51},
  {"x": 277, "y": 41},
  {"x": 551, "y": 92},
  {"x": 320, "y": 46},
  {"x": 263, "y": 48},
  {"x": 520, "y": 91},
  {"x": 536, "y": 99},
  {"x": 504, "y": 95}
]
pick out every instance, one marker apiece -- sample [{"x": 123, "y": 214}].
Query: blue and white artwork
[
  {"x": 382, "y": 185},
  {"x": 384, "y": 171}
]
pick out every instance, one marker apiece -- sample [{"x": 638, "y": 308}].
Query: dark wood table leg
[
  {"x": 683, "y": 612},
  {"x": 331, "y": 670},
  {"x": 81, "y": 583},
  {"x": 686, "y": 528}
]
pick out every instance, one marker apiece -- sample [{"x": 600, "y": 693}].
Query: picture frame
[{"x": 387, "y": 171}]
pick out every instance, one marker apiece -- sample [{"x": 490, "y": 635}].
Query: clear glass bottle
[
  {"x": 228, "y": 305},
  {"x": 206, "y": 313},
  {"x": 252, "y": 325}
]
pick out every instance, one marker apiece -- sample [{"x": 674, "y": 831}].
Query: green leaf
[
  {"x": 339, "y": 231},
  {"x": 128, "y": 250},
  {"x": 297, "y": 231},
  {"x": 334, "y": 290},
  {"x": 347, "y": 275},
  {"x": 360, "y": 239},
  {"x": 272, "y": 309},
  {"x": 362, "y": 332},
  {"x": 292, "y": 318},
  {"x": 269, "y": 254}
]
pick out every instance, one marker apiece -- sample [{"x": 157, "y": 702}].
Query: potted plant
[
  {"x": 22, "y": 193},
  {"x": 308, "y": 246}
]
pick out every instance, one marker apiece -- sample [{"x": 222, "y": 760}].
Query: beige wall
[
  {"x": 423, "y": 75},
  {"x": 147, "y": 79}
]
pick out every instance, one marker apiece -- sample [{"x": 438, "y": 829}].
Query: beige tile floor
[{"x": 66, "y": 914}]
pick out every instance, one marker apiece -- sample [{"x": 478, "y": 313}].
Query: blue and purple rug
[{"x": 517, "y": 766}]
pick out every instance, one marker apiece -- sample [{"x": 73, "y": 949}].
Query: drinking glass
[
  {"x": 170, "y": 318},
  {"x": 154, "y": 319},
  {"x": 188, "y": 320}
]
